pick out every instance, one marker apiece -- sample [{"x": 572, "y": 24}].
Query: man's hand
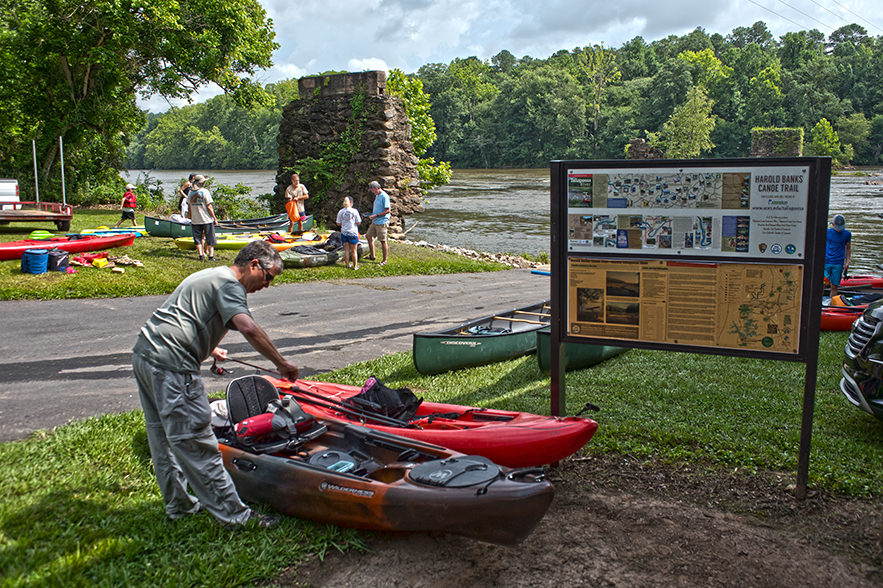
[
  {"x": 288, "y": 371},
  {"x": 219, "y": 354}
]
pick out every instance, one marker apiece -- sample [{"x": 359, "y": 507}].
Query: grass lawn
[{"x": 79, "y": 505}]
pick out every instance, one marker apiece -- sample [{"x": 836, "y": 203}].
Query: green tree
[
  {"x": 536, "y": 117},
  {"x": 875, "y": 141},
  {"x": 764, "y": 100},
  {"x": 472, "y": 76},
  {"x": 824, "y": 142},
  {"x": 686, "y": 134},
  {"x": 854, "y": 130},
  {"x": 72, "y": 69},
  {"x": 598, "y": 65},
  {"x": 417, "y": 106}
]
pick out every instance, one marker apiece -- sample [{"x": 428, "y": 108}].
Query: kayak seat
[{"x": 265, "y": 423}]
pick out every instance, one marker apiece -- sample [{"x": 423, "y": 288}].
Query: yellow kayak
[{"x": 234, "y": 241}]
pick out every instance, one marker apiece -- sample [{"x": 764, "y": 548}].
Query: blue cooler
[{"x": 35, "y": 261}]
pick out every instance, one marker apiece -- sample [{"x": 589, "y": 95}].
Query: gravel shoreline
[{"x": 510, "y": 260}]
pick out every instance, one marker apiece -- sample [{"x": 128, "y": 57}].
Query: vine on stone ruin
[{"x": 327, "y": 171}]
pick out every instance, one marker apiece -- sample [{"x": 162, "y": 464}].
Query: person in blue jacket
[
  {"x": 379, "y": 218},
  {"x": 837, "y": 250}
]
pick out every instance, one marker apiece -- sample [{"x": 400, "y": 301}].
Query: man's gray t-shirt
[{"x": 182, "y": 332}]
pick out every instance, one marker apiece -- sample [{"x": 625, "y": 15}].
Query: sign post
[{"x": 721, "y": 257}]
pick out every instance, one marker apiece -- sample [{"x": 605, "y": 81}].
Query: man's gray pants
[{"x": 183, "y": 447}]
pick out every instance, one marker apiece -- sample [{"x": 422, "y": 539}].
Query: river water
[{"x": 507, "y": 211}]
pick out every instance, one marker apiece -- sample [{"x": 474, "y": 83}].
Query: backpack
[{"x": 376, "y": 397}]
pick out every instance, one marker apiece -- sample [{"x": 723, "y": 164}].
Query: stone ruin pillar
[{"x": 321, "y": 117}]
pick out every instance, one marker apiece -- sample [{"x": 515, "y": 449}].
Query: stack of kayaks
[
  {"x": 235, "y": 241},
  {"x": 311, "y": 256},
  {"x": 839, "y": 312},
  {"x": 489, "y": 339},
  {"x": 69, "y": 243},
  {"x": 164, "y": 227},
  {"x": 138, "y": 231},
  {"x": 510, "y": 438},
  {"x": 353, "y": 476}
]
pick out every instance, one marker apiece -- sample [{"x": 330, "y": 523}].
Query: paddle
[
  {"x": 329, "y": 403},
  {"x": 324, "y": 402}
]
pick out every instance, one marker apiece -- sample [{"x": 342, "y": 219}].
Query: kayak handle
[
  {"x": 588, "y": 406},
  {"x": 537, "y": 473},
  {"x": 244, "y": 465}
]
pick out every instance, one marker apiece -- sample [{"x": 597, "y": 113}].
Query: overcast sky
[{"x": 357, "y": 35}]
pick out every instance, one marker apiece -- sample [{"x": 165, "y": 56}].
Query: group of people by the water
[
  {"x": 195, "y": 203},
  {"x": 348, "y": 219}
]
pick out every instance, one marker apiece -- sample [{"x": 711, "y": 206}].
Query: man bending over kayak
[{"x": 173, "y": 343}]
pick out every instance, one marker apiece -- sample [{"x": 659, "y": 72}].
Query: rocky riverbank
[{"x": 510, "y": 260}]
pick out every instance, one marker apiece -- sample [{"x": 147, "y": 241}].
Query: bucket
[{"x": 34, "y": 261}]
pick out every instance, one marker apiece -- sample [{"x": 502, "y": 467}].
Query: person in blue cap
[{"x": 837, "y": 250}]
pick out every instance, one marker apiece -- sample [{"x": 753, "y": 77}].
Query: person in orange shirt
[{"x": 295, "y": 194}]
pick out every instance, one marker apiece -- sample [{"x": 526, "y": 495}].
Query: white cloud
[
  {"x": 356, "y": 35},
  {"x": 370, "y": 64}
]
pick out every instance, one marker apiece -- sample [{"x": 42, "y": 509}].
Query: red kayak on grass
[
  {"x": 839, "y": 318},
  {"x": 839, "y": 312},
  {"x": 509, "y": 438},
  {"x": 69, "y": 243}
]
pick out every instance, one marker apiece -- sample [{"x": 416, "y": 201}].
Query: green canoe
[
  {"x": 163, "y": 227},
  {"x": 577, "y": 356},
  {"x": 493, "y": 338}
]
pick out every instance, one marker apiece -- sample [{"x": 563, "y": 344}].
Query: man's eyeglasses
[{"x": 268, "y": 277}]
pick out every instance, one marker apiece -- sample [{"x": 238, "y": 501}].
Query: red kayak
[
  {"x": 509, "y": 438},
  {"x": 839, "y": 318},
  {"x": 70, "y": 243},
  {"x": 839, "y": 312},
  {"x": 860, "y": 282}
]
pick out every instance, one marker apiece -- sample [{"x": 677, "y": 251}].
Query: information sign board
[{"x": 718, "y": 256}]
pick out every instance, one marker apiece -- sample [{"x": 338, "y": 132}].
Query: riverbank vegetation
[
  {"x": 79, "y": 505},
  {"x": 165, "y": 266}
]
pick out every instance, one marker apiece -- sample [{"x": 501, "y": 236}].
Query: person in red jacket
[{"x": 128, "y": 206}]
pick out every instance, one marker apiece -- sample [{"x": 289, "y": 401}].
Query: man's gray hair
[
  {"x": 265, "y": 253},
  {"x": 373, "y": 185}
]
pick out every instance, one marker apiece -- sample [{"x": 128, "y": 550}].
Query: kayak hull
[
  {"x": 382, "y": 492},
  {"x": 577, "y": 356},
  {"x": 840, "y": 312},
  {"x": 510, "y": 438},
  {"x": 82, "y": 244},
  {"x": 291, "y": 258},
  {"x": 476, "y": 343}
]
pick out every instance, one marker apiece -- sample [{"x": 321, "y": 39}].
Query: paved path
[{"x": 65, "y": 360}]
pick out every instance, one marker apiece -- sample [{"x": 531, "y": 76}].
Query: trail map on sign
[
  {"x": 736, "y": 212},
  {"x": 761, "y": 306},
  {"x": 734, "y": 305},
  {"x": 665, "y": 190}
]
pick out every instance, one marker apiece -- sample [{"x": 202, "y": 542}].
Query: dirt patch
[{"x": 616, "y": 522}]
